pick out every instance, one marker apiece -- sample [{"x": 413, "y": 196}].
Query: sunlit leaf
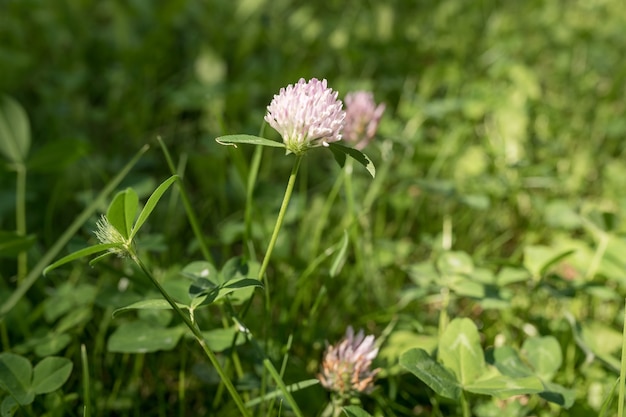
[
  {"x": 235, "y": 140},
  {"x": 538, "y": 259},
  {"x": 503, "y": 386},
  {"x": 433, "y": 374},
  {"x": 122, "y": 210},
  {"x": 355, "y": 411},
  {"x": 544, "y": 354},
  {"x": 460, "y": 350},
  {"x": 509, "y": 363},
  {"x": 558, "y": 394},
  {"x": 80, "y": 254}
]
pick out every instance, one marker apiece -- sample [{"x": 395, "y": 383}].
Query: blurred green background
[{"x": 494, "y": 96}]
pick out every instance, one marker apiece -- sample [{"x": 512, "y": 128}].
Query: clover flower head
[
  {"x": 362, "y": 118},
  {"x": 306, "y": 114},
  {"x": 346, "y": 366},
  {"x": 106, "y": 233}
]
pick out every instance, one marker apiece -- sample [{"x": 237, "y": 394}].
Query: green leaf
[
  {"x": 558, "y": 394},
  {"x": 278, "y": 393},
  {"x": 509, "y": 275},
  {"x": 15, "y": 376},
  {"x": 438, "y": 378},
  {"x": 455, "y": 263},
  {"x": 235, "y": 140},
  {"x": 608, "y": 400},
  {"x": 509, "y": 363},
  {"x": 502, "y": 386},
  {"x": 221, "y": 339},
  {"x": 204, "y": 277},
  {"x": 236, "y": 269},
  {"x": 52, "y": 344},
  {"x": 151, "y": 204},
  {"x": 154, "y": 304},
  {"x": 79, "y": 254},
  {"x": 538, "y": 259},
  {"x": 140, "y": 337},
  {"x": 586, "y": 342},
  {"x": 9, "y": 407},
  {"x": 238, "y": 286},
  {"x": 544, "y": 354},
  {"x": 122, "y": 211},
  {"x": 340, "y": 258},
  {"x": 50, "y": 374},
  {"x": 57, "y": 155},
  {"x": 340, "y": 152},
  {"x": 14, "y": 130},
  {"x": 11, "y": 243},
  {"x": 460, "y": 350},
  {"x": 355, "y": 411}
]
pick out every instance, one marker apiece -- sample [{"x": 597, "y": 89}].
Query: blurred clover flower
[
  {"x": 307, "y": 115},
  {"x": 346, "y": 366},
  {"x": 362, "y": 118},
  {"x": 106, "y": 233}
]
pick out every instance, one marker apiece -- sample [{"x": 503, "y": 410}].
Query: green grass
[{"x": 499, "y": 197}]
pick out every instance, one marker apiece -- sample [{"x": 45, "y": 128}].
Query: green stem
[
  {"x": 324, "y": 216},
  {"x": 181, "y": 383},
  {"x": 191, "y": 215},
  {"x": 252, "y": 176},
  {"x": 279, "y": 220},
  {"x": 198, "y": 335},
  {"x": 86, "y": 382},
  {"x": 20, "y": 220},
  {"x": 281, "y": 385},
  {"x": 622, "y": 374},
  {"x": 465, "y": 405},
  {"x": 443, "y": 313}
]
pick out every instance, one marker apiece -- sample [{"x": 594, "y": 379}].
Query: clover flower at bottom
[
  {"x": 306, "y": 115},
  {"x": 346, "y": 365}
]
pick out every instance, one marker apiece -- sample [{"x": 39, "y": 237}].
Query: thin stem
[
  {"x": 20, "y": 219},
  {"x": 191, "y": 215},
  {"x": 465, "y": 405},
  {"x": 252, "y": 176},
  {"x": 181, "y": 382},
  {"x": 279, "y": 219},
  {"x": 281, "y": 385},
  {"x": 323, "y": 218},
  {"x": 86, "y": 382},
  {"x": 443, "y": 313},
  {"x": 197, "y": 333},
  {"x": 622, "y": 374}
]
